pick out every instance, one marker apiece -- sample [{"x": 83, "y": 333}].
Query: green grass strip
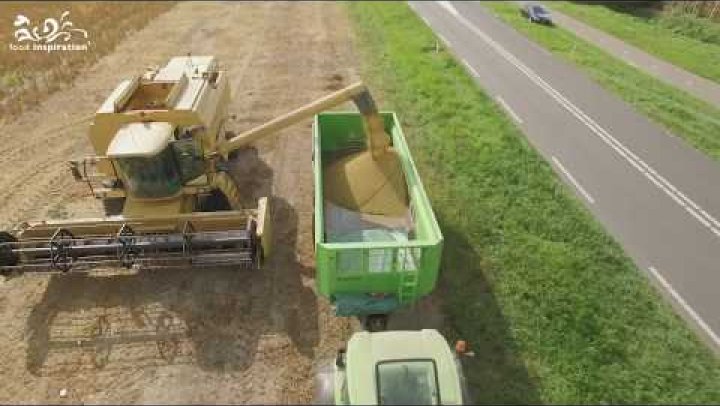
[
  {"x": 653, "y": 35},
  {"x": 682, "y": 114},
  {"x": 553, "y": 308}
]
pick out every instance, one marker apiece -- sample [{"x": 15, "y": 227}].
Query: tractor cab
[{"x": 394, "y": 368}]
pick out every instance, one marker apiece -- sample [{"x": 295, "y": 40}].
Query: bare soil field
[{"x": 203, "y": 336}]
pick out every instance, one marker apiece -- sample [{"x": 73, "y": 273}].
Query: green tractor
[{"x": 394, "y": 368}]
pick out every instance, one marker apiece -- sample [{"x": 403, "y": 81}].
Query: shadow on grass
[
  {"x": 642, "y": 9},
  {"x": 496, "y": 374}
]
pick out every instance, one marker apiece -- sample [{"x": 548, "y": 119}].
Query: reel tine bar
[{"x": 128, "y": 248}]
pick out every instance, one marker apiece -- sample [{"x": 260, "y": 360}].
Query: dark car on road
[{"x": 536, "y": 13}]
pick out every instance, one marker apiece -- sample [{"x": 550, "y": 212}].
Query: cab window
[
  {"x": 151, "y": 177},
  {"x": 407, "y": 382}
]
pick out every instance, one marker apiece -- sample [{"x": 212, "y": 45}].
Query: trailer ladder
[{"x": 408, "y": 286}]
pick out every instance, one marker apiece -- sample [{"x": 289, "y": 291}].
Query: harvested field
[
  {"x": 27, "y": 78},
  {"x": 208, "y": 336}
]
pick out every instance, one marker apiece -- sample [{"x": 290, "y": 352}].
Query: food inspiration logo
[{"x": 53, "y": 35}]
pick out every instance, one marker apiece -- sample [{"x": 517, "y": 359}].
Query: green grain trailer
[{"x": 372, "y": 270}]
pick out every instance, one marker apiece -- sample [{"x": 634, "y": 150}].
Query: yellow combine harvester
[{"x": 160, "y": 155}]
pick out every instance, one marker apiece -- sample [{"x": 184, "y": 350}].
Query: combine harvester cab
[{"x": 370, "y": 265}]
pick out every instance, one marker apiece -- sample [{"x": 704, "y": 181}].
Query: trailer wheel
[
  {"x": 7, "y": 256},
  {"x": 376, "y": 322}
]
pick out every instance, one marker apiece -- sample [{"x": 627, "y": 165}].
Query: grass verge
[
  {"x": 675, "y": 43},
  {"x": 694, "y": 120},
  {"x": 551, "y": 305}
]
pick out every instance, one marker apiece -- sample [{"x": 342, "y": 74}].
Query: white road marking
[
  {"x": 574, "y": 182},
  {"x": 690, "y": 311},
  {"x": 509, "y": 110},
  {"x": 646, "y": 170},
  {"x": 414, "y": 8},
  {"x": 470, "y": 68}
]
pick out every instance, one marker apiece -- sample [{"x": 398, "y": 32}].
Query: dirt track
[{"x": 180, "y": 336}]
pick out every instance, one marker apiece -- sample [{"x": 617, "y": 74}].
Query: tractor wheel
[
  {"x": 7, "y": 256},
  {"x": 376, "y": 322}
]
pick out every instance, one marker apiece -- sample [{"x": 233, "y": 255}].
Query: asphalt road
[
  {"x": 655, "y": 194},
  {"x": 700, "y": 87}
]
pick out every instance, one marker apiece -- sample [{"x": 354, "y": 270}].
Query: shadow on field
[
  {"x": 212, "y": 318},
  {"x": 251, "y": 174},
  {"x": 496, "y": 374}
]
